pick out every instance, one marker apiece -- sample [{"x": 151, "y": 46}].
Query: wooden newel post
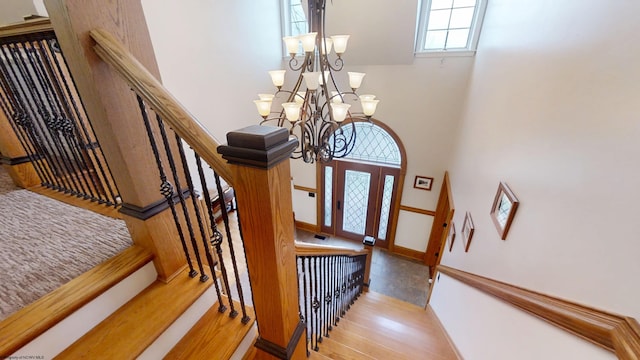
[{"x": 259, "y": 158}]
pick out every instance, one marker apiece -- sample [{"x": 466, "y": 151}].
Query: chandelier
[{"x": 316, "y": 112}]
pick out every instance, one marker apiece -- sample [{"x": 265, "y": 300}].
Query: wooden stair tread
[
  {"x": 337, "y": 350},
  {"x": 34, "y": 319},
  {"x": 126, "y": 333},
  {"x": 214, "y": 336},
  {"x": 364, "y": 345},
  {"x": 385, "y": 328}
]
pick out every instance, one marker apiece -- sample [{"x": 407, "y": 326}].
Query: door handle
[{"x": 338, "y": 205}]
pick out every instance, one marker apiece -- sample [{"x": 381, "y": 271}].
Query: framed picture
[
  {"x": 467, "y": 231},
  {"x": 451, "y": 237},
  {"x": 423, "y": 182},
  {"x": 504, "y": 209}
]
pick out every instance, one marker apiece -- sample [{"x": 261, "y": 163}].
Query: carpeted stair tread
[
  {"x": 214, "y": 336},
  {"x": 31, "y": 321},
  {"x": 126, "y": 333}
]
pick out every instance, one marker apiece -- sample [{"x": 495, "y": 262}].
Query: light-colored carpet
[{"x": 45, "y": 243}]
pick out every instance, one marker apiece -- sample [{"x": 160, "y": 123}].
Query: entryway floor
[{"x": 392, "y": 275}]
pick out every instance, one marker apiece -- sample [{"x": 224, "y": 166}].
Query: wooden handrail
[
  {"x": 309, "y": 249},
  {"x": 26, "y": 27},
  {"x": 616, "y": 333},
  {"x": 111, "y": 51}
]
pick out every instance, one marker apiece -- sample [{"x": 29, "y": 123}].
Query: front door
[{"x": 357, "y": 200}]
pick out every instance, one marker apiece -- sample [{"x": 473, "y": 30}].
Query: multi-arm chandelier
[{"x": 315, "y": 111}]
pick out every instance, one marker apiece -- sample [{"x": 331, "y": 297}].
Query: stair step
[
  {"x": 214, "y": 336},
  {"x": 388, "y": 328},
  {"x": 132, "y": 328},
  {"x": 364, "y": 345},
  {"x": 337, "y": 350},
  {"x": 34, "y": 319}
]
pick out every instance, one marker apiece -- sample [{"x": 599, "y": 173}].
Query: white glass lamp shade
[
  {"x": 311, "y": 80},
  {"x": 355, "y": 79},
  {"x": 328, "y": 43},
  {"x": 327, "y": 73},
  {"x": 335, "y": 97},
  {"x": 292, "y": 111},
  {"x": 368, "y": 105},
  {"x": 308, "y": 41},
  {"x": 264, "y": 107},
  {"x": 340, "y": 111},
  {"x": 277, "y": 77},
  {"x": 292, "y": 43},
  {"x": 340, "y": 43},
  {"x": 367, "y": 97},
  {"x": 299, "y": 98},
  {"x": 266, "y": 96}
]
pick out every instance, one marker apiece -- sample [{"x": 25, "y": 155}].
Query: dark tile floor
[{"x": 391, "y": 274}]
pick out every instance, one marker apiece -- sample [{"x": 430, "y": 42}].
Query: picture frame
[
  {"x": 451, "y": 236},
  {"x": 423, "y": 183},
  {"x": 467, "y": 231},
  {"x": 504, "y": 209}
]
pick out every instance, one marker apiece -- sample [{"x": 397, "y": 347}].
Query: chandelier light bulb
[
  {"x": 266, "y": 96},
  {"x": 340, "y": 111},
  {"x": 292, "y": 43},
  {"x": 340, "y": 43},
  {"x": 328, "y": 43},
  {"x": 367, "y": 97},
  {"x": 311, "y": 80},
  {"x": 277, "y": 77},
  {"x": 308, "y": 41},
  {"x": 355, "y": 79},
  {"x": 292, "y": 111},
  {"x": 264, "y": 107},
  {"x": 369, "y": 106}
]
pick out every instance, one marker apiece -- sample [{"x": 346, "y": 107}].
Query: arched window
[{"x": 373, "y": 144}]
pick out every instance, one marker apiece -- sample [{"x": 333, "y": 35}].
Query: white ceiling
[{"x": 382, "y": 32}]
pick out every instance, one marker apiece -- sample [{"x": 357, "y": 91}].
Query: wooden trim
[
  {"x": 307, "y": 227},
  {"x": 304, "y": 188},
  {"x": 309, "y": 249},
  {"x": 279, "y": 351},
  {"x": 144, "y": 213},
  {"x": 72, "y": 200},
  {"x": 616, "y": 333},
  {"x": 410, "y": 253},
  {"x": 418, "y": 210},
  {"x": 160, "y": 100},
  {"x": 26, "y": 27}
]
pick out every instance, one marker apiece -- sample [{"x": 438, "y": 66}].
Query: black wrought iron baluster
[
  {"x": 9, "y": 107},
  {"x": 232, "y": 252},
  {"x": 183, "y": 203},
  {"x": 305, "y": 299},
  {"x": 26, "y": 120},
  {"x": 62, "y": 128},
  {"x": 327, "y": 295},
  {"x": 343, "y": 289},
  {"x": 316, "y": 304},
  {"x": 166, "y": 189},
  {"x": 321, "y": 269},
  {"x": 334, "y": 299},
  {"x": 216, "y": 235},
  {"x": 87, "y": 128},
  {"x": 52, "y": 125}
]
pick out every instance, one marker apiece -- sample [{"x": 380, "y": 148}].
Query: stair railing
[
  {"x": 44, "y": 125},
  {"x": 193, "y": 193},
  {"x": 330, "y": 280}
]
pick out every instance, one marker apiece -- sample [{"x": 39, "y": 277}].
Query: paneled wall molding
[
  {"x": 418, "y": 210},
  {"x": 616, "y": 333}
]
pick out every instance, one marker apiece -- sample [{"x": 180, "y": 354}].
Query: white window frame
[{"x": 424, "y": 7}]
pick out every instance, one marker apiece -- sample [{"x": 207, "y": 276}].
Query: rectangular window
[
  {"x": 294, "y": 20},
  {"x": 449, "y": 25}
]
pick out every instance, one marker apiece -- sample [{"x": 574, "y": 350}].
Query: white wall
[
  {"x": 214, "y": 56},
  {"x": 552, "y": 110},
  {"x": 13, "y": 11}
]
